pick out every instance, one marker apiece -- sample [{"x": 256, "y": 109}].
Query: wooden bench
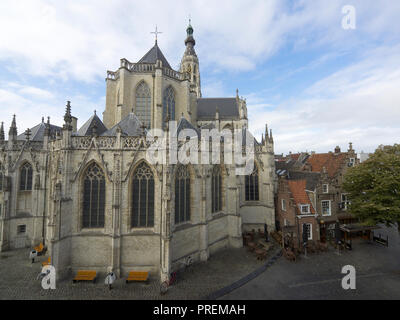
[
  {"x": 47, "y": 262},
  {"x": 85, "y": 275},
  {"x": 141, "y": 276}
]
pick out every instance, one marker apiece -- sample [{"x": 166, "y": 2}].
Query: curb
[{"x": 224, "y": 291}]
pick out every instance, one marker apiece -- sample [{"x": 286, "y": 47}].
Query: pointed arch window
[
  {"x": 26, "y": 177},
  {"x": 251, "y": 186},
  {"x": 182, "y": 195},
  {"x": 142, "y": 197},
  {"x": 94, "y": 194},
  {"x": 169, "y": 103},
  {"x": 216, "y": 190},
  {"x": 143, "y": 104}
]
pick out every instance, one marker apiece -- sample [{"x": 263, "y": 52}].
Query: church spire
[
  {"x": 13, "y": 128},
  {"x": 189, "y": 41}
]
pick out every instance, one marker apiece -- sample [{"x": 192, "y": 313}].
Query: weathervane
[{"x": 156, "y": 33}]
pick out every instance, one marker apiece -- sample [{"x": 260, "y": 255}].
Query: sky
[{"x": 316, "y": 84}]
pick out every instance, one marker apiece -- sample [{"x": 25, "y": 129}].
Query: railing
[
  {"x": 111, "y": 75},
  {"x": 144, "y": 68},
  {"x": 102, "y": 142},
  {"x": 173, "y": 74}
]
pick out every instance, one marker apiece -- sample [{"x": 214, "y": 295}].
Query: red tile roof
[
  {"x": 298, "y": 190},
  {"x": 331, "y": 161}
]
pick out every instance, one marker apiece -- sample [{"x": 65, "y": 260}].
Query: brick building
[{"x": 310, "y": 192}]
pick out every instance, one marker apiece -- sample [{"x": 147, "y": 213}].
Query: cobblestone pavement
[
  {"x": 319, "y": 276},
  {"x": 18, "y": 279}
]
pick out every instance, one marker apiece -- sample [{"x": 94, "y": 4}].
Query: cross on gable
[{"x": 156, "y": 33}]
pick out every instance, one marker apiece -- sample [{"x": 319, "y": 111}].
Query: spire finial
[
  {"x": 67, "y": 116},
  {"x": 2, "y": 137},
  {"x": 156, "y": 33},
  {"x": 13, "y": 129}
]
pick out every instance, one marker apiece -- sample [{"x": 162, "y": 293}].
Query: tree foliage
[{"x": 374, "y": 187}]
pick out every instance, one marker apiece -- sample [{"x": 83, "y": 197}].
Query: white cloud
[
  {"x": 75, "y": 40},
  {"x": 358, "y": 104},
  {"x": 81, "y": 39}
]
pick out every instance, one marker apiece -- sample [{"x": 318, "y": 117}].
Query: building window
[
  {"x": 345, "y": 203},
  {"x": 182, "y": 195},
  {"x": 26, "y": 177},
  {"x": 143, "y": 104},
  {"x": 216, "y": 190},
  {"x": 21, "y": 229},
  {"x": 305, "y": 208},
  {"x": 94, "y": 194},
  {"x": 169, "y": 103},
  {"x": 325, "y": 188},
  {"x": 308, "y": 230},
  {"x": 326, "y": 207},
  {"x": 352, "y": 162},
  {"x": 283, "y": 204},
  {"x": 251, "y": 184},
  {"x": 143, "y": 197}
]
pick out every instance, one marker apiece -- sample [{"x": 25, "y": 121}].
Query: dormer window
[
  {"x": 325, "y": 188},
  {"x": 305, "y": 208},
  {"x": 352, "y": 162}
]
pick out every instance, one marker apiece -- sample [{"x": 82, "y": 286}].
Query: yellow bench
[
  {"x": 47, "y": 262},
  {"x": 39, "y": 248},
  {"x": 142, "y": 276},
  {"x": 85, "y": 275}
]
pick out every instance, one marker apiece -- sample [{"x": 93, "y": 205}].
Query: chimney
[{"x": 337, "y": 149}]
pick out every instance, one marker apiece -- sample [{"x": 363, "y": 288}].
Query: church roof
[
  {"x": 227, "y": 108},
  {"x": 130, "y": 126},
  {"x": 153, "y": 55},
  {"x": 86, "y": 129},
  {"x": 37, "y": 132},
  {"x": 184, "y": 124}
]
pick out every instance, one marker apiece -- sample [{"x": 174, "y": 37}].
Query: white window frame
[
  {"x": 283, "y": 204},
  {"x": 310, "y": 230},
  {"x": 344, "y": 202},
  {"x": 327, "y": 188},
  {"x": 307, "y": 206},
  {"x": 330, "y": 208},
  {"x": 352, "y": 161}
]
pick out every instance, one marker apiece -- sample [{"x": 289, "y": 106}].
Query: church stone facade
[{"x": 97, "y": 203}]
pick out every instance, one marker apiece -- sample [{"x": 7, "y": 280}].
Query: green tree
[{"x": 374, "y": 187}]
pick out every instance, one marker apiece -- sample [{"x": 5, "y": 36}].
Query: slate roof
[
  {"x": 130, "y": 126},
  {"x": 153, "y": 55},
  {"x": 184, "y": 124},
  {"x": 37, "y": 132},
  {"x": 86, "y": 129},
  {"x": 298, "y": 190},
  {"x": 227, "y": 107}
]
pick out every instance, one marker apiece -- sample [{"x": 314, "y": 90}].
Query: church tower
[{"x": 190, "y": 62}]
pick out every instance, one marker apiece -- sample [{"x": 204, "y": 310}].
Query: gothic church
[{"x": 91, "y": 197}]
